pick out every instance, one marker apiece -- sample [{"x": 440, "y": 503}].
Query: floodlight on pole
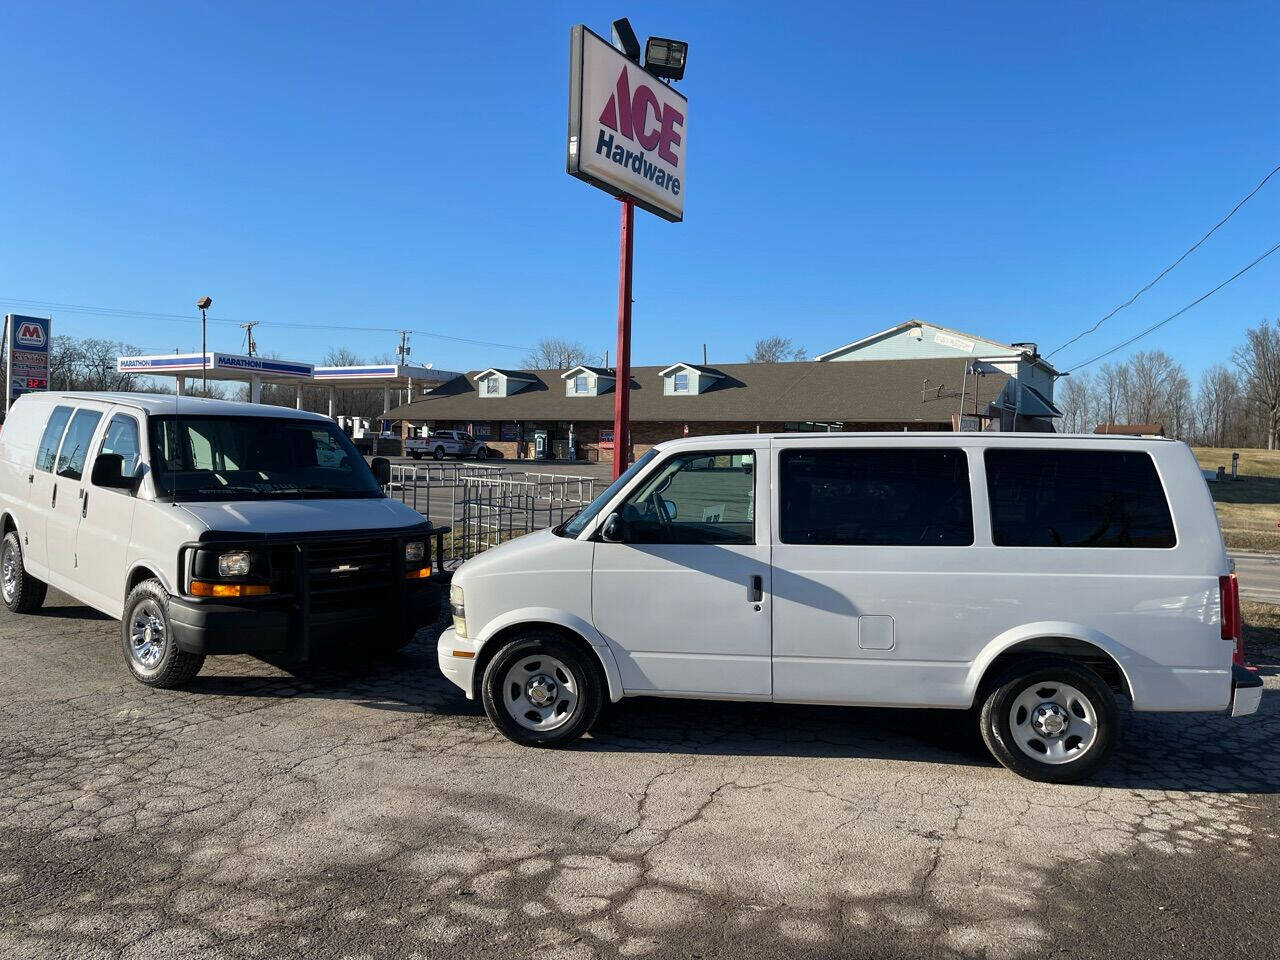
[
  {"x": 624, "y": 38},
  {"x": 204, "y": 303},
  {"x": 665, "y": 58}
]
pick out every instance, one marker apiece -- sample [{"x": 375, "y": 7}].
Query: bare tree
[
  {"x": 555, "y": 353},
  {"x": 1217, "y": 404},
  {"x": 1258, "y": 361},
  {"x": 775, "y": 350},
  {"x": 89, "y": 364},
  {"x": 1078, "y": 401}
]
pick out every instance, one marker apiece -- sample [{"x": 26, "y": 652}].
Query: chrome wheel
[
  {"x": 1053, "y": 722},
  {"x": 539, "y": 692},
  {"x": 147, "y": 635},
  {"x": 9, "y": 574}
]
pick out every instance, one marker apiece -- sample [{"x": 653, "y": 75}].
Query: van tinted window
[
  {"x": 48, "y": 451},
  {"x": 75, "y": 446},
  {"x": 1077, "y": 498},
  {"x": 122, "y": 438},
  {"x": 876, "y": 497},
  {"x": 695, "y": 498}
]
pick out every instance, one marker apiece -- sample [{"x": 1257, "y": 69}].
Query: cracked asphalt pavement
[{"x": 369, "y": 810}]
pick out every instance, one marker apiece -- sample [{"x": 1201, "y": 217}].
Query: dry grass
[
  {"x": 1261, "y": 632},
  {"x": 1249, "y": 508}
]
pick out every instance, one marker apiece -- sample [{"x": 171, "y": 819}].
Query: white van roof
[{"x": 159, "y": 404}]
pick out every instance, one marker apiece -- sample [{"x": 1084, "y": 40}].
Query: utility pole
[
  {"x": 250, "y": 343},
  {"x": 403, "y": 350}
]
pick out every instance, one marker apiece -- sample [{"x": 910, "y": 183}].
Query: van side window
[
  {"x": 122, "y": 438},
  {"x": 48, "y": 451},
  {"x": 1077, "y": 498},
  {"x": 695, "y": 498},
  {"x": 75, "y": 445},
  {"x": 875, "y": 497}
]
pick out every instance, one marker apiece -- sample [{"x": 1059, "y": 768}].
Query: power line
[
  {"x": 1166, "y": 270},
  {"x": 182, "y": 318},
  {"x": 1174, "y": 316}
]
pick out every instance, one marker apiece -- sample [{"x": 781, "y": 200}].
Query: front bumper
[
  {"x": 279, "y": 625},
  {"x": 460, "y": 670},
  {"x": 1246, "y": 691}
]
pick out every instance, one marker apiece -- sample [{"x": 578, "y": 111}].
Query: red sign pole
[{"x": 622, "y": 385}]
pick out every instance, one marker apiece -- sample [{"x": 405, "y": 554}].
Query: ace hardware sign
[{"x": 627, "y": 129}]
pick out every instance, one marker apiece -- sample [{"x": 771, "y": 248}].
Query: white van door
[
  {"x": 66, "y": 500},
  {"x": 40, "y": 482},
  {"x": 106, "y": 519},
  {"x": 684, "y": 598},
  {"x": 877, "y": 596}
]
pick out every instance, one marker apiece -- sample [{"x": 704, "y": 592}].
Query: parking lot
[{"x": 371, "y": 811}]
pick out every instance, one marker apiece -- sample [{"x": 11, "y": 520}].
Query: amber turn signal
[
  {"x": 421, "y": 574},
  {"x": 202, "y": 588},
  {"x": 464, "y": 654}
]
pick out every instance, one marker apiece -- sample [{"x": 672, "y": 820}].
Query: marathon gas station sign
[
  {"x": 27, "y": 360},
  {"x": 626, "y": 127}
]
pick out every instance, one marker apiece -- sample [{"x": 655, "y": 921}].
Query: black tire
[
  {"x": 438, "y": 453},
  {"x": 576, "y": 670},
  {"x": 482, "y": 453},
  {"x": 22, "y": 592},
  {"x": 425, "y": 613},
  {"x": 1041, "y": 678},
  {"x": 171, "y": 667}
]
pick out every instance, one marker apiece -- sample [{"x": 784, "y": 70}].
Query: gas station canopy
[{"x": 256, "y": 371}]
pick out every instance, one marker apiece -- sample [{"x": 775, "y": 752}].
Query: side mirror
[
  {"x": 613, "y": 529},
  {"x": 108, "y": 471},
  {"x": 670, "y": 506},
  {"x": 381, "y": 467}
]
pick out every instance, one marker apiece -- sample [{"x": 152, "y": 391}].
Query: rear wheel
[
  {"x": 542, "y": 691},
  {"x": 1050, "y": 719},
  {"x": 438, "y": 453},
  {"x": 482, "y": 453},
  {"x": 150, "y": 648},
  {"x": 22, "y": 592}
]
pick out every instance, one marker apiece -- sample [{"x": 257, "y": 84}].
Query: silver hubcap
[
  {"x": 147, "y": 636},
  {"x": 539, "y": 692},
  {"x": 1053, "y": 722},
  {"x": 9, "y": 575}
]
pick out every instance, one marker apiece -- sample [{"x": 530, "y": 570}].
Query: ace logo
[
  {"x": 30, "y": 334},
  {"x": 628, "y": 114}
]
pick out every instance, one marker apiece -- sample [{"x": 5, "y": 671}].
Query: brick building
[{"x": 518, "y": 411}]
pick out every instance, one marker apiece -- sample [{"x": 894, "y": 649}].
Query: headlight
[
  {"x": 414, "y": 551},
  {"x": 234, "y": 564},
  {"x": 457, "y": 608}
]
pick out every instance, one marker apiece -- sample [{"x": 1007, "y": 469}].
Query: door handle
[
  {"x": 31, "y": 478},
  {"x": 755, "y": 591},
  {"x": 54, "y": 501},
  {"x": 84, "y": 503}
]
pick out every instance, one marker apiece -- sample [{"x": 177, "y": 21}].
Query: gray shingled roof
[{"x": 868, "y": 391}]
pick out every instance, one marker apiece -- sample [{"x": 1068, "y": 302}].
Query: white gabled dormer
[
  {"x": 584, "y": 381},
  {"x": 502, "y": 383},
  {"x": 686, "y": 380}
]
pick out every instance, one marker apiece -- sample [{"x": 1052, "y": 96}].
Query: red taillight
[{"x": 1232, "y": 623}]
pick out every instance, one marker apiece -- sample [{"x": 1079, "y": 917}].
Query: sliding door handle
[
  {"x": 54, "y": 501},
  {"x": 755, "y": 590}
]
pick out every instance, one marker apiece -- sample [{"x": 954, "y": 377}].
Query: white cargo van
[
  {"x": 207, "y": 527},
  {"x": 1034, "y": 577}
]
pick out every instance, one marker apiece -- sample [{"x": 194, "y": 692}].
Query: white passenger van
[
  {"x": 207, "y": 527},
  {"x": 1036, "y": 578}
]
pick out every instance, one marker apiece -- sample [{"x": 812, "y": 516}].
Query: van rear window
[
  {"x": 875, "y": 497},
  {"x": 1077, "y": 498}
]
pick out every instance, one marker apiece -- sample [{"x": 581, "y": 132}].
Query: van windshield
[
  {"x": 255, "y": 458},
  {"x": 579, "y": 521}
]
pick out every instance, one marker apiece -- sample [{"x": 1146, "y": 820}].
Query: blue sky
[{"x": 1013, "y": 170}]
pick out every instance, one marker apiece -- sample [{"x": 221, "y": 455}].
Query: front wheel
[
  {"x": 1050, "y": 719},
  {"x": 482, "y": 453},
  {"x": 22, "y": 592},
  {"x": 542, "y": 691},
  {"x": 438, "y": 453},
  {"x": 150, "y": 648}
]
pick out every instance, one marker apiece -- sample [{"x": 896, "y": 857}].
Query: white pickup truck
[{"x": 445, "y": 443}]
